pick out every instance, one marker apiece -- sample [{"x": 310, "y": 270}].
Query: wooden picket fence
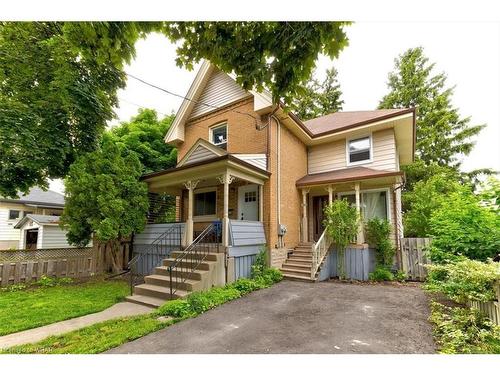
[
  {"x": 414, "y": 257},
  {"x": 23, "y": 266}
]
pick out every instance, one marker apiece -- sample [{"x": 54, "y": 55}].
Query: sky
[{"x": 469, "y": 53}]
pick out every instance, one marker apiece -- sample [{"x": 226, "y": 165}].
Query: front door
[
  {"x": 248, "y": 202},
  {"x": 31, "y": 239},
  {"x": 319, "y": 204}
]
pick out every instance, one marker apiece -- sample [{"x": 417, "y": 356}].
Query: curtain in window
[{"x": 375, "y": 205}]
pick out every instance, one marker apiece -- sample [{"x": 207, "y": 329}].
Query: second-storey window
[
  {"x": 218, "y": 135},
  {"x": 14, "y": 214},
  {"x": 359, "y": 150}
]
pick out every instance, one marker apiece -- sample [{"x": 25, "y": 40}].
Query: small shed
[{"x": 41, "y": 232}]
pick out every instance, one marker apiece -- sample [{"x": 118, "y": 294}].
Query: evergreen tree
[
  {"x": 319, "y": 99},
  {"x": 442, "y": 134}
]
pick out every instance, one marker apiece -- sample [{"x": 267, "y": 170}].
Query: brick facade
[{"x": 244, "y": 137}]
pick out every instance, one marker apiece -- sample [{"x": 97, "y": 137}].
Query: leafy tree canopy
[
  {"x": 58, "y": 80},
  {"x": 278, "y": 56},
  {"x": 461, "y": 225},
  {"x": 144, "y": 136},
  {"x": 442, "y": 135},
  {"x": 104, "y": 197},
  {"x": 319, "y": 98},
  {"x": 56, "y": 95}
]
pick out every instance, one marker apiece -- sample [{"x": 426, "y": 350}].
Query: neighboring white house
[
  {"x": 41, "y": 232},
  {"x": 38, "y": 203}
]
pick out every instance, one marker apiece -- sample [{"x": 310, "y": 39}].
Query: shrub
[
  {"x": 272, "y": 275},
  {"x": 464, "y": 280},
  {"x": 463, "y": 330},
  {"x": 177, "y": 308},
  {"x": 377, "y": 235},
  {"x": 400, "y": 276},
  {"x": 205, "y": 300},
  {"x": 463, "y": 226},
  {"x": 245, "y": 286},
  {"x": 381, "y": 274},
  {"x": 260, "y": 263},
  {"x": 341, "y": 223}
]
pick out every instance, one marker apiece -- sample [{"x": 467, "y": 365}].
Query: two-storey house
[{"x": 265, "y": 175}]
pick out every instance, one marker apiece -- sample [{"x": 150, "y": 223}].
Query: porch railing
[
  {"x": 193, "y": 255},
  {"x": 319, "y": 251},
  {"x": 154, "y": 254}
]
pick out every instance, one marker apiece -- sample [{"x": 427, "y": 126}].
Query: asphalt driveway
[{"x": 297, "y": 317}]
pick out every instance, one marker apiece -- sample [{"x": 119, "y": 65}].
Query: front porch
[{"x": 213, "y": 191}]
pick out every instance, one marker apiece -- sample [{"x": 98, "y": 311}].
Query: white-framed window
[
  {"x": 205, "y": 203},
  {"x": 14, "y": 214},
  {"x": 373, "y": 203},
  {"x": 359, "y": 150},
  {"x": 218, "y": 135}
]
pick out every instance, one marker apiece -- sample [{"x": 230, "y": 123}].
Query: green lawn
[
  {"x": 25, "y": 309},
  {"x": 96, "y": 338}
]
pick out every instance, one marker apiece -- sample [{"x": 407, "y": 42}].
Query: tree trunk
[{"x": 113, "y": 256}]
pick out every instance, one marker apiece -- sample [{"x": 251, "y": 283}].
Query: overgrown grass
[
  {"x": 106, "y": 335},
  {"x": 460, "y": 330},
  {"x": 35, "y": 307},
  {"x": 96, "y": 338}
]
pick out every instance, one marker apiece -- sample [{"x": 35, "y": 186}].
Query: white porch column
[
  {"x": 226, "y": 179},
  {"x": 261, "y": 203},
  {"x": 360, "y": 237},
  {"x": 190, "y": 185},
  {"x": 304, "y": 215},
  {"x": 330, "y": 189}
]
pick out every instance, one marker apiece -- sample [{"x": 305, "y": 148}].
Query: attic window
[
  {"x": 359, "y": 150},
  {"x": 218, "y": 136}
]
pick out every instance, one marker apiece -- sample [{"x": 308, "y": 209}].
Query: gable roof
[
  {"x": 39, "y": 197},
  {"x": 339, "y": 121},
  {"x": 201, "y": 150},
  {"x": 192, "y": 102},
  {"x": 39, "y": 219}
]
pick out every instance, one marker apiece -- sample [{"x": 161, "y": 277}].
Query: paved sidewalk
[{"x": 119, "y": 310}]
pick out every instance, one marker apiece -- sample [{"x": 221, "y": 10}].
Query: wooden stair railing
[{"x": 319, "y": 251}]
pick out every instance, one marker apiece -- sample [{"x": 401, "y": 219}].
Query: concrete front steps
[
  {"x": 298, "y": 265},
  {"x": 156, "y": 288}
]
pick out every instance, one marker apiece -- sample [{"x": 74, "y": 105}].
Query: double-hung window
[
  {"x": 218, "y": 136},
  {"x": 359, "y": 150}
]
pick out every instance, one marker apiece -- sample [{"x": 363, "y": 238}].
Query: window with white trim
[
  {"x": 359, "y": 150},
  {"x": 218, "y": 135}
]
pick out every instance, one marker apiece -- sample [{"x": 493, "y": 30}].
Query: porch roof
[
  {"x": 344, "y": 175},
  {"x": 174, "y": 178}
]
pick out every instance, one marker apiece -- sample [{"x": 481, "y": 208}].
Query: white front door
[{"x": 248, "y": 202}]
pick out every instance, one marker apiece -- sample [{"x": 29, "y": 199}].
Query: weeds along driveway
[{"x": 297, "y": 317}]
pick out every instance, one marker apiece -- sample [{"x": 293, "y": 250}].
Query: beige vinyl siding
[
  {"x": 331, "y": 156},
  {"x": 7, "y": 231},
  {"x": 258, "y": 160},
  {"x": 220, "y": 90},
  {"x": 326, "y": 157}
]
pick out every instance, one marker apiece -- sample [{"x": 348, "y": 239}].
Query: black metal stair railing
[
  {"x": 154, "y": 254},
  {"x": 193, "y": 255}
]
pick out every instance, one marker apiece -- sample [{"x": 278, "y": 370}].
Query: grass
[
  {"x": 96, "y": 338},
  {"x": 36, "y": 307},
  {"x": 112, "y": 333}
]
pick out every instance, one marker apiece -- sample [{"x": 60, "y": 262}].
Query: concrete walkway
[
  {"x": 119, "y": 310},
  {"x": 295, "y": 317}
]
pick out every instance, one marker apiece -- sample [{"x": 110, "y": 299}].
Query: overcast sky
[{"x": 469, "y": 53}]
